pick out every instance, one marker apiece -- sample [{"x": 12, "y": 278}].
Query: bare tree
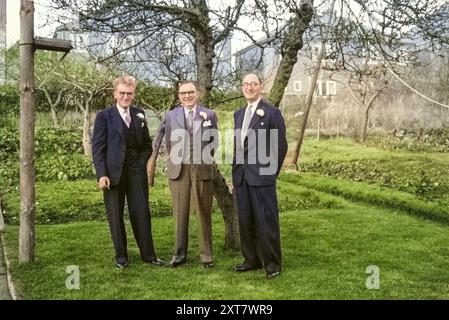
[
  {"x": 87, "y": 82},
  {"x": 147, "y": 20},
  {"x": 75, "y": 81},
  {"x": 51, "y": 86},
  {"x": 364, "y": 88}
]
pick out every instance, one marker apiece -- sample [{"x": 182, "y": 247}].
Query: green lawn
[
  {"x": 325, "y": 255},
  {"x": 422, "y": 174},
  {"x": 355, "y": 206}
]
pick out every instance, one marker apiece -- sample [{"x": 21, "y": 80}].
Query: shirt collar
[
  {"x": 254, "y": 104},
  {"x": 121, "y": 110},
  {"x": 186, "y": 110}
]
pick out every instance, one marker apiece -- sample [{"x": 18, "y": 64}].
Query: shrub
[
  {"x": 58, "y": 156},
  {"x": 294, "y": 198},
  {"x": 431, "y": 140},
  {"x": 9, "y": 171},
  {"x": 63, "y": 167},
  {"x": 48, "y": 140},
  {"x": 10, "y": 99},
  {"x": 63, "y": 202},
  {"x": 59, "y": 202}
]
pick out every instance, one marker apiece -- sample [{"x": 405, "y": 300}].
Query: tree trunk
[
  {"x": 85, "y": 109},
  {"x": 365, "y": 123},
  {"x": 227, "y": 203},
  {"x": 292, "y": 44},
  {"x": 27, "y": 105},
  {"x": 204, "y": 59},
  {"x": 87, "y": 143},
  {"x": 157, "y": 142},
  {"x": 366, "y": 118},
  {"x": 53, "y": 105},
  {"x": 54, "y": 117}
]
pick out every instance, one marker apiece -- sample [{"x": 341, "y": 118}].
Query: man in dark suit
[
  {"x": 121, "y": 147},
  {"x": 260, "y": 147},
  {"x": 191, "y": 137}
]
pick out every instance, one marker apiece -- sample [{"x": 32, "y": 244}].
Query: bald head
[{"x": 251, "y": 87}]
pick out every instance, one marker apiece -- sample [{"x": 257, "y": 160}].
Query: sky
[
  {"x": 42, "y": 29},
  {"x": 13, "y": 21}
]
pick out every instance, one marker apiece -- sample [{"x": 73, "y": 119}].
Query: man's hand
[{"x": 104, "y": 183}]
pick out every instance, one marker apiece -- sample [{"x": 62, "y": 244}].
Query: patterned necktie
[
  {"x": 246, "y": 122},
  {"x": 190, "y": 121},
  {"x": 127, "y": 118}
]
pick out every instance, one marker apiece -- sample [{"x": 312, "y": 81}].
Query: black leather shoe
[
  {"x": 244, "y": 267},
  {"x": 121, "y": 264},
  {"x": 273, "y": 274},
  {"x": 174, "y": 263},
  {"x": 158, "y": 262},
  {"x": 208, "y": 265}
]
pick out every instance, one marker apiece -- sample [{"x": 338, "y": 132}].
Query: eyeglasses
[
  {"x": 122, "y": 94},
  {"x": 184, "y": 93},
  {"x": 251, "y": 84}
]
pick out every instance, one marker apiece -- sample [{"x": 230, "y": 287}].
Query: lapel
[
  {"x": 239, "y": 118},
  {"x": 179, "y": 118},
  {"x": 117, "y": 121},
  {"x": 255, "y": 119},
  {"x": 137, "y": 123}
]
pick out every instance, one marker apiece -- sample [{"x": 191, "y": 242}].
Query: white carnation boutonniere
[
  {"x": 260, "y": 112},
  {"x": 141, "y": 116},
  {"x": 207, "y": 123},
  {"x": 203, "y": 115}
]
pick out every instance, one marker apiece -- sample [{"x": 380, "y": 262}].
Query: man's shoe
[
  {"x": 208, "y": 265},
  {"x": 121, "y": 264},
  {"x": 175, "y": 262},
  {"x": 244, "y": 267},
  {"x": 273, "y": 274},
  {"x": 157, "y": 262}
]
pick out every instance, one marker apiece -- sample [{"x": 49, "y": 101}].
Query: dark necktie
[{"x": 190, "y": 121}]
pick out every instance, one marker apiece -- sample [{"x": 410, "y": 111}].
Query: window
[
  {"x": 331, "y": 88},
  {"x": 326, "y": 88},
  {"x": 297, "y": 86}
]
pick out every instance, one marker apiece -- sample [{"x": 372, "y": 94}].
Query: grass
[
  {"x": 325, "y": 255},
  {"x": 371, "y": 194},
  {"x": 421, "y": 174},
  {"x": 332, "y": 229}
]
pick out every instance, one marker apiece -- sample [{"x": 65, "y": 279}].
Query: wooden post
[
  {"x": 311, "y": 92},
  {"x": 26, "y": 127}
]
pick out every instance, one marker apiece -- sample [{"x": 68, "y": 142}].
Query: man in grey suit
[{"x": 191, "y": 136}]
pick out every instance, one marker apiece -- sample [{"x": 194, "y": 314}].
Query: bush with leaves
[
  {"x": 59, "y": 155},
  {"x": 59, "y": 202}
]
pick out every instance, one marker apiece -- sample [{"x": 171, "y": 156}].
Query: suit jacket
[
  {"x": 205, "y": 140},
  {"x": 249, "y": 160},
  {"x": 109, "y": 145}
]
